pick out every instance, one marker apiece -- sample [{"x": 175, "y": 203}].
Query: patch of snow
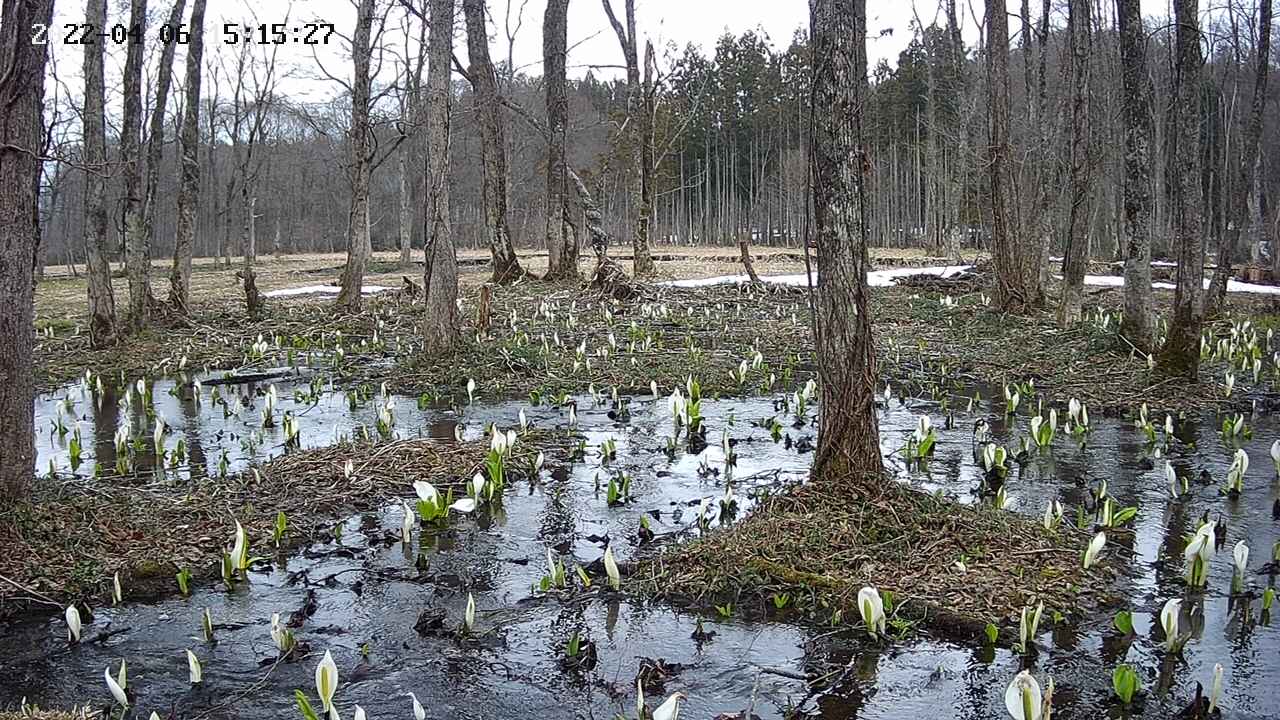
[
  {"x": 875, "y": 278},
  {"x": 1232, "y": 285},
  {"x": 322, "y": 290}
]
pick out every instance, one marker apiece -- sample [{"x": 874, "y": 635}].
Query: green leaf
[
  {"x": 304, "y": 706},
  {"x": 1124, "y": 680},
  {"x": 1124, "y": 622},
  {"x": 992, "y": 633}
]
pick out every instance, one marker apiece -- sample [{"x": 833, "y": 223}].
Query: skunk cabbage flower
[
  {"x": 360, "y": 714},
  {"x": 278, "y": 635},
  {"x": 1275, "y": 455},
  {"x": 1098, "y": 542},
  {"x": 327, "y": 680},
  {"x": 669, "y": 710},
  {"x": 611, "y": 568},
  {"x": 1198, "y": 553},
  {"x": 426, "y": 492},
  {"x": 471, "y": 390},
  {"x": 193, "y": 668},
  {"x": 1023, "y": 698},
  {"x": 73, "y": 624},
  {"x": 1052, "y": 515},
  {"x": 871, "y": 607},
  {"x": 1240, "y": 553},
  {"x": 407, "y": 522},
  {"x": 1169, "y": 619},
  {"x": 469, "y": 615},
  {"x": 117, "y": 691},
  {"x": 464, "y": 506},
  {"x": 419, "y": 713},
  {"x": 1215, "y": 690},
  {"x": 240, "y": 548}
]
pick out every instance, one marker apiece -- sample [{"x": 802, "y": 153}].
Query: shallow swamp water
[{"x": 368, "y": 593}]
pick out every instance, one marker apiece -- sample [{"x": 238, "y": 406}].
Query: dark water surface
[{"x": 371, "y": 593}]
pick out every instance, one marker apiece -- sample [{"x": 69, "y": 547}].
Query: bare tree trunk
[
  {"x": 641, "y": 262},
  {"x": 562, "y": 247},
  {"x": 189, "y": 178},
  {"x": 155, "y": 135},
  {"x": 1240, "y": 216},
  {"x": 102, "y": 302},
  {"x": 506, "y": 267},
  {"x": 358, "y": 136},
  {"x": 440, "y": 330},
  {"x": 1017, "y": 260},
  {"x": 849, "y": 441},
  {"x": 1181, "y": 352},
  {"x": 1139, "y": 313},
  {"x": 137, "y": 255},
  {"x": 21, "y": 131},
  {"x": 1080, "y": 212},
  {"x": 405, "y": 211}
]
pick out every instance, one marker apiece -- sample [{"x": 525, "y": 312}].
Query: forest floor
[{"x": 933, "y": 338}]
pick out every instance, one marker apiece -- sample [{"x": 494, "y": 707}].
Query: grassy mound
[{"x": 820, "y": 543}]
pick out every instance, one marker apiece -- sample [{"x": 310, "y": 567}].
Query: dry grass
[
  {"x": 36, "y": 714},
  {"x": 820, "y": 543}
]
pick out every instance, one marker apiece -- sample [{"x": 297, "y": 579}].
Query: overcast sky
[{"x": 591, "y": 39}]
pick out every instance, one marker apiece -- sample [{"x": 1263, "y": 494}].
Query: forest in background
[{"x": 730, "y": 129}]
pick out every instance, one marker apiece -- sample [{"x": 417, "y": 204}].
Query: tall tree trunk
[
  {"x": 189, "y": 174},
  {"x": 358, "y": 137},
  {"x": 1080, "y": 212},
  {"x": 102, "y": 302},
  {"x": 1240, "y": 217},
  {"x": 562, "y": 247},
  {"x": 1181, "y": 352},
  {"x": 137, "y": 254},
  {"x": 21, "y": 132},
  {"x": 506, "y": 267},
  {"x": 440, "y": 278},
  {"x": 642, "y": 263},
  {"x": 155, "y": 135},
  {"x": 642, "y": 260},
  {"x": 405, "y": 214},
  {"x": 1139, "y": 313},
  {"x": 849, "y": 440},
  {"x": 1017, "y": 259}
]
